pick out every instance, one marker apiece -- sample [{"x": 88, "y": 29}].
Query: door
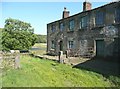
[
  {"x": 61, "y": 45},
  {"x": 100, "y": 48}
]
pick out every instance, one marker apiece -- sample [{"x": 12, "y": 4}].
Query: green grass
[
  {"x": 40, "y": 45},
  {"x": 42, "y": 50},
  {"x": 35, "y": 72}
]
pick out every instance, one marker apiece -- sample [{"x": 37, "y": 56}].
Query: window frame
[
  {"x": 53, "y": 28},
  {"x": 117, "y": 15},
  {"x": 52, "y": 44},
  {"x": 100, "y": 18},
  {"x": 71, "y": 44},
  {"x": 71, "y": 25},
  {"x": 83, "y": 21},
  {"x": 61, "y": 26}
]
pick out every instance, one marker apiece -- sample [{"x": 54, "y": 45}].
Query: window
[
  {"x": 61, "y": 26},
  {"x": 71, "y": 25},
  {"x": 117, "y": 15},
  {"x": 83, "y": 22},
  {"x": 53, "y": 28},
  {"x": 80, "y": 25},
  {"x": 71, "y": 44},
  {"x": 53, "y": 45},
  {"x": 99, "y": 18}
]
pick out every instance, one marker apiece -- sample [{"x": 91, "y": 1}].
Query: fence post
[
  {"x": 17, "y": 59},
  {"x": 66, "y": 52},
  {"x": 61, "y": 57}
]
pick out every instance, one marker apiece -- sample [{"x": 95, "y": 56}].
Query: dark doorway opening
[{"x": 61, "y": 45}]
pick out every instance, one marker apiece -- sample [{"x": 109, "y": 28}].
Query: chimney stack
[
  {"x": 65, "y": 13},
  {"x": 87, "y": 5}
]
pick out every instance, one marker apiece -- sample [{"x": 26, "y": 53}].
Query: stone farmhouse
[{"x": 92, "y": 32}]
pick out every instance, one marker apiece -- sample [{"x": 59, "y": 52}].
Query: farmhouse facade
[{"x": 90, "y": 32}]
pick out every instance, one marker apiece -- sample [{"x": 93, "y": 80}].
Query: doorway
[
  {"x": 61, "y": 45},
  {"x": 100, "y": 48}
]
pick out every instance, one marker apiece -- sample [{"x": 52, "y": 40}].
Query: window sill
[
  {"x": 52, "y": 49},
  {"x": 99, "y": 26},
  {"x": 83, "y": 28},
  {"x": 70, "y": 31}
]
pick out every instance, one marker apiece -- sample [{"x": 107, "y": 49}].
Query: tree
[
  {"x": 0, "y": 39},
  {"x": 17, "y": 35},
  {"x": 41, "y": 39}
]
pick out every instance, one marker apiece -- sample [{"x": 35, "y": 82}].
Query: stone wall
[{"x": 85, "y": 38}]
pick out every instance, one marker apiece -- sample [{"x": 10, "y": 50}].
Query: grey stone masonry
[{"x": 93, "y": 32}]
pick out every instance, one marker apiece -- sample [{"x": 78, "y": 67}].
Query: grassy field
[
  {"x": 41, "y": 49},
  {"x": 35, "y": 72}
]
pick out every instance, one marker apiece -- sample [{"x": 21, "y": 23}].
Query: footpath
[{"x": 69, "y": 60}]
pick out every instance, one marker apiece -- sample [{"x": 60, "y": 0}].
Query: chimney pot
[
  {"x": 87, "y": 5},
  {"x": 64, "y": 8},
  {"x": 65, "y": 13}
]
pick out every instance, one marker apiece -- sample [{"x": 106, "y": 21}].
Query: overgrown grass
[{"x": 35, "y": 72}]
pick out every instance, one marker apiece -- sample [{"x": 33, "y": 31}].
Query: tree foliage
[
  {"x": 41, "y": 39},
  {"x": 0, "y": 39},
  {"x": 17, "y": 35}
]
